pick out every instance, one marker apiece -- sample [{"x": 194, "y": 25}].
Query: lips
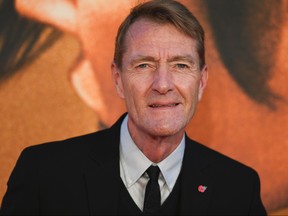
[{"x": 156, "y": 105}]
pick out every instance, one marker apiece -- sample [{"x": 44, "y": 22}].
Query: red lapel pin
[{"x": 202, "y": 188}]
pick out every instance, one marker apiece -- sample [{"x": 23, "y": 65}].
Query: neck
[{"x": 156, "y": 148}]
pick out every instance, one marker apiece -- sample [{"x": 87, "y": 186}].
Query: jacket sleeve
[{"x": 21, "y": 197}]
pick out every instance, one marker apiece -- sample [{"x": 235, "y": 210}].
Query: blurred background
[{"x": 55, "y": 80}]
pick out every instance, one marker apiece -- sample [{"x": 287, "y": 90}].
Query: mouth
[{"x": 163, "y": 105}]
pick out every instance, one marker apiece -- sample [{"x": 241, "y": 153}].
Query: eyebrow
[
  {"x": 187, "y": 58},
  {"x": 142, "y": 58}
]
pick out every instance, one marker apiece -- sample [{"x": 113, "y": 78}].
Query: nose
[{"x": 162, "y": 80}]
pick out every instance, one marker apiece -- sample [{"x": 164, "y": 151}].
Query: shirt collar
[{"x": 135, "y": 163}]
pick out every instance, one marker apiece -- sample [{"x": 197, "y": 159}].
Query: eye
[
  {"x": 145, "y": 67},
  {"x": 182, "y": 66},
  {"x": 142, "y": 66}
]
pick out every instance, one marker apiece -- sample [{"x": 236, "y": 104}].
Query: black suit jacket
[{"x": 80, "y": 176}]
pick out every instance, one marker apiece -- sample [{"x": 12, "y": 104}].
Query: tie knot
[{"x": 153, "y": 172}]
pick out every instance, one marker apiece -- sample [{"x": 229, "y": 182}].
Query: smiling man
[{"x": 145, "y": 163}]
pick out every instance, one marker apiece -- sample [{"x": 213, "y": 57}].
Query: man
[{"x": 159, "y": 70}]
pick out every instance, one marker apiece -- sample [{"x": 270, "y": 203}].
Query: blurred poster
[{"x": 55, "y": 79}]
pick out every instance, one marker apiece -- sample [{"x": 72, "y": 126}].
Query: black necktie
[{"x": 152, "y": 200}]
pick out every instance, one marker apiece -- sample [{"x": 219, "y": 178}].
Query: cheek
[
  {"x": 188, "y": 87},
  {"x": 135, "y": 85},
  {"x": 132, "y": 93}
]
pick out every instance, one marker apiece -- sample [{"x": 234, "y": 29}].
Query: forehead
[{"x": 148, "y": 35}]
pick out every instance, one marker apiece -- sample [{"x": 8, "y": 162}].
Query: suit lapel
[
  {"x": 102, "y": 173},
  {"x": 195, "y": 176},
  {"x": 102, "y": 184}
]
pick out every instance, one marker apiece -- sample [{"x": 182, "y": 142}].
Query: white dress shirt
[{"x": 133, "y": 163}]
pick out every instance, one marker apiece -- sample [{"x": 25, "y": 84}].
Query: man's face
[{"x": 160, "y": 78}]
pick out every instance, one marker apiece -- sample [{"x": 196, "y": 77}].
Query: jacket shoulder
[
  {"x": 78, "y": 144},
  {"x": 219, "y": 161}
]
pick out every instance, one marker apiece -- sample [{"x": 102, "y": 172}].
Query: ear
[
  {"x": 203, "y": 82},
  {"x": 86, "y": 84},
  {"x": 117, "y": 80}
]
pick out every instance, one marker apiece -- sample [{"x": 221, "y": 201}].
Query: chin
[{"x": 162, "y": 131}]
